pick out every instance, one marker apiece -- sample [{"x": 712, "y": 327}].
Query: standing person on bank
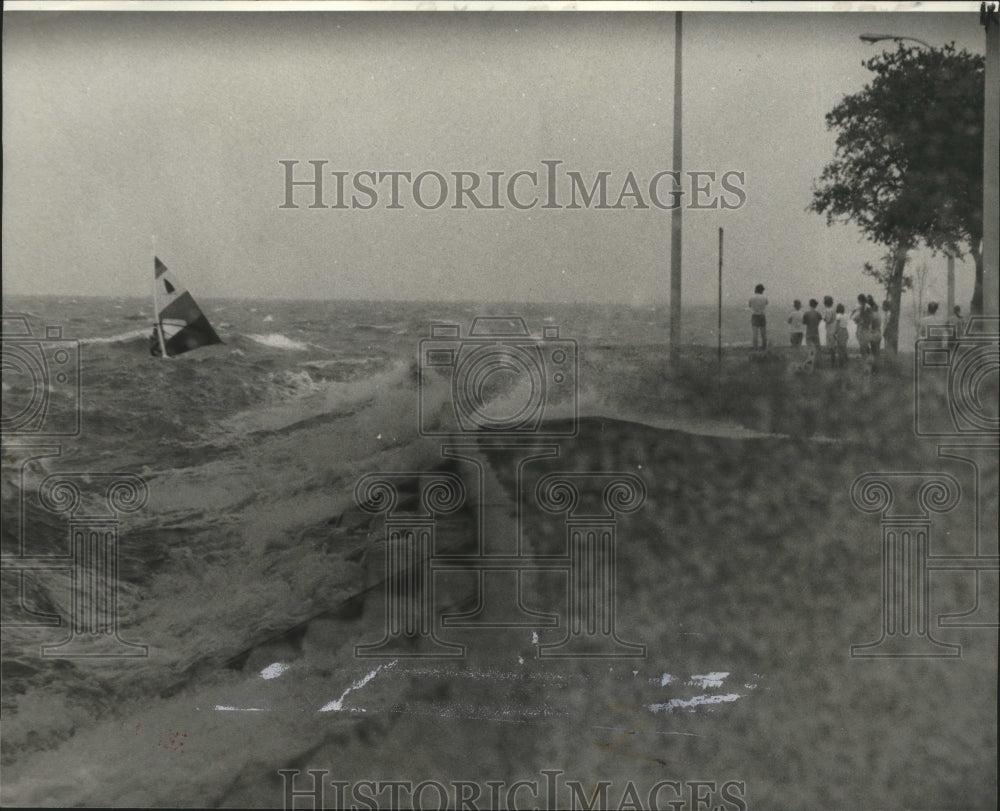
[
  {"x": 931, "y": 323},
  {"x": 958, "y": 321},
  {"x": 830, "y": 325},
  {"x": 861, "y": 316},
  {"x": 795, "y": 328},
  {"x": 812, "y": 318},
  {"x": 874, "y": 330},
  {"x": 931, "y": 319},
  {"x": 758, "y": 317},
  {"x": 840, "y": 335}
]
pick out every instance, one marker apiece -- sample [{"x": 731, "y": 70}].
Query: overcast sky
[{"x": 122, "y": 127}]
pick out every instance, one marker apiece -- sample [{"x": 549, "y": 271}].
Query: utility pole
[
  {"x": 676, "y": 214},
  {"x": 990, "y": 19},
  {"x": 720, "y": 299},
  {"x": 951, "y": 286}
]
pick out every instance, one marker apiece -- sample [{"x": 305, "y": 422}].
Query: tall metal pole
[
  {"x": 951, "y": 286},
  {"x": 991, "y": 164},
  {"x": 675, "y": 220},
  {"x": 720, "y": 297}
]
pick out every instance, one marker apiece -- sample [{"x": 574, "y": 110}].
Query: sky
[{"x": 126, "y": 133}]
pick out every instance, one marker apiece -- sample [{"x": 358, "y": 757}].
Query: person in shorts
[
  {"x": 862, "y": 317},
  {"x": 795, "y": 327},
  {"x": 958, "y": 321},
  {"x": 874, "y": 329},
  {"x": 758, "y": 317},
  {"x": 932, "y": 324},
  {"x": 812, "y": 318},
  {"x": 830, "y": 323},
  {"x": 840, "y": 335}
]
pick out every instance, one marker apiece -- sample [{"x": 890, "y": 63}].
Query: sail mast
[{"x": 159, "y": 322}]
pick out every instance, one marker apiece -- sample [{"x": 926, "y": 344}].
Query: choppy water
[
  {"x": 247, "y": 446},
  {"x": 250, "y": 573}
]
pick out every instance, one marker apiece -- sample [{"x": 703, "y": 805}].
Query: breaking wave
[
  {"x": 122, "y": 337},
  {"x": 276, "y": 340}
]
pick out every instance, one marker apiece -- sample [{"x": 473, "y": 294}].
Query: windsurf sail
[{"x": 180, "y": 324}]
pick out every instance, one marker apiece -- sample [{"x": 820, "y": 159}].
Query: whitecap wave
[
  {"x": 131, "y": 335},
  {"x": 345, "y": 361},
  {"x": 276, "y": 340},
  {"x": 300, "y": 398},
  {"x": 289, "y": 383}
]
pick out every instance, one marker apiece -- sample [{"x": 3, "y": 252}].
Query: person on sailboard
[
  {"x": 154, "y": 343},
  {"x": 180, "y": 324}
]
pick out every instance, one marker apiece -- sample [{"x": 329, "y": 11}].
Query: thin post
[
  {"x": 720, "y": 297},
  {"x": 991, "y": 164},
  {"x": 951, "y": 286},
  {"x": 675, "y": 220}
]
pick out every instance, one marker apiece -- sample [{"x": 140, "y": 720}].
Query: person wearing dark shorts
[
  {"x": 795, "y": 328},
  {"x": 812, "y": 318},
  {"x": 758, "y": 317}
]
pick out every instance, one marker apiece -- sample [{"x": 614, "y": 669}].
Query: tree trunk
[
  {"x": 894, "y": 289},
  {"x": 976, "y": 307}
]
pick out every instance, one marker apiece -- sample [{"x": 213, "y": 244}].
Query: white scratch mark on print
[
  {"x": 691, "y": 703},
  {"x": 338, "y": 705},
  {"x": 490, "y": 675},
  {"x": 226, "y": 708},
  {"x": 713, "y": 679},
  {"x": 273, "y": 670},
  {"x": 631, "y": 731}
]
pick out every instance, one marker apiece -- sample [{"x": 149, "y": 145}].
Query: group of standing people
[
  {"x": 933, "y": 320},
  {"x": 868, "y": 320},
  {"x": 804, "y": 326},
  {"x": 868, "y": 328}
]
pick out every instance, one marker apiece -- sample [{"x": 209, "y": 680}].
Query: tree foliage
[
  {"x": 908, "y": 167},
  {"x": 883, "y": 275}
]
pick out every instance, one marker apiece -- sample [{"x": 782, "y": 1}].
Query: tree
[
  {"x": 919, "y": 287},
  {"x": 887, "y": 276},
  {"x": 908, "y": 166},
  {"x": 884, "y": 276}
]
